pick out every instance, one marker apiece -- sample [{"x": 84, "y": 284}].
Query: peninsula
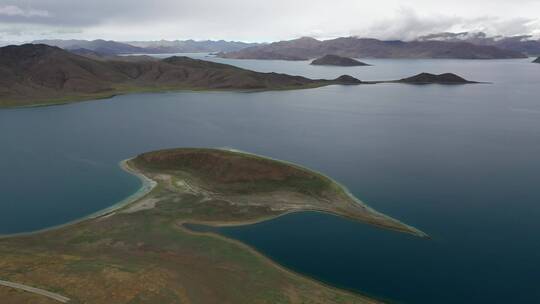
[
  {"x": 142, "y": 251},
  {"x": 38, "y": 74},
  {"x": 337, "y": 61}
]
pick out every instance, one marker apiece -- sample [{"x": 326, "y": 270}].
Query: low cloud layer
[
  {"x": 407, "y": 24},
  {"x": 250, "y": 20}
]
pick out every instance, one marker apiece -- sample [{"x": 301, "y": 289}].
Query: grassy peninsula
[{"x": 141, "y": 252}]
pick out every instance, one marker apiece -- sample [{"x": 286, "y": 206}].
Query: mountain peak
[{"x": 14, "y": 54}]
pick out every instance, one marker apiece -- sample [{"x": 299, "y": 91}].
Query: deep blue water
[{"x": 461, "y": 163}]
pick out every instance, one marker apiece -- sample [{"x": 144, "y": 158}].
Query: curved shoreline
[
  {"x": 271, "y": 262},
  {"x": 146, "y": 187},
  {"x": 411, "y": 230},
  {"x": 79, "y": 99}
]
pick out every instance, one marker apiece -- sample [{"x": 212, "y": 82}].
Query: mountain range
[
  {"x": 105, "y": 47},
  {"x": 192, "y": 46},
  {"x": 108, "y": 47},
  {"x": 34, "y": 74},
  {"x": 307, "y": 48},
  {"x": 464, "y": 45},
  {"x": 523, "y": 44}
]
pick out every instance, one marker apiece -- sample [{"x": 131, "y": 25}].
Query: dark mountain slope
[{"x": 39, "y": 74}]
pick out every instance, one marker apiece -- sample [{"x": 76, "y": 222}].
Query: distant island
[
  {"x": 427, "y": 78},
  {"x": 308, "y": 48},
  {"x": 38, "y": 74},
  {"x": 336, "y": 60},
  {"x": 191, "y": 46},
  {"x": 144, "y": 250}
]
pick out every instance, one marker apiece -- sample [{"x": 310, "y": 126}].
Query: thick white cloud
[{"x": 257, "y": 20}]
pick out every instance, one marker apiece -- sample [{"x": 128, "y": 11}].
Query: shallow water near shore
[{"x": 461, "y": 163}]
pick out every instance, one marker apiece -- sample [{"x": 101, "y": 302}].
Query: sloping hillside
[{"x": 39, "y": 74}]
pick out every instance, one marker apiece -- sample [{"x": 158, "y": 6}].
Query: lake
[{"x": 461, "y": 163}]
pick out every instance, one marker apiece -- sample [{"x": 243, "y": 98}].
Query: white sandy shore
[{"x": 147, "y": 186}]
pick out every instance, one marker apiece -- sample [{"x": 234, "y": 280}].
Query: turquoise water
[{"x": 462, "y": 163}]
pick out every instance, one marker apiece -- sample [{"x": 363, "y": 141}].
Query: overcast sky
[{"x": 268, "y": 20}]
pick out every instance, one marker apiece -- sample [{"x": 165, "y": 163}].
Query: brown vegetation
[{"x": 40, "y": 74}]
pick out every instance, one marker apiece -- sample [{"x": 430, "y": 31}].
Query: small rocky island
[
  {"x": 336, "y": 60},
  {"x": 427, "y": 78}
]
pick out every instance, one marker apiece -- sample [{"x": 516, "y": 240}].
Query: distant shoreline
[{"x": 77, "y": 99}]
